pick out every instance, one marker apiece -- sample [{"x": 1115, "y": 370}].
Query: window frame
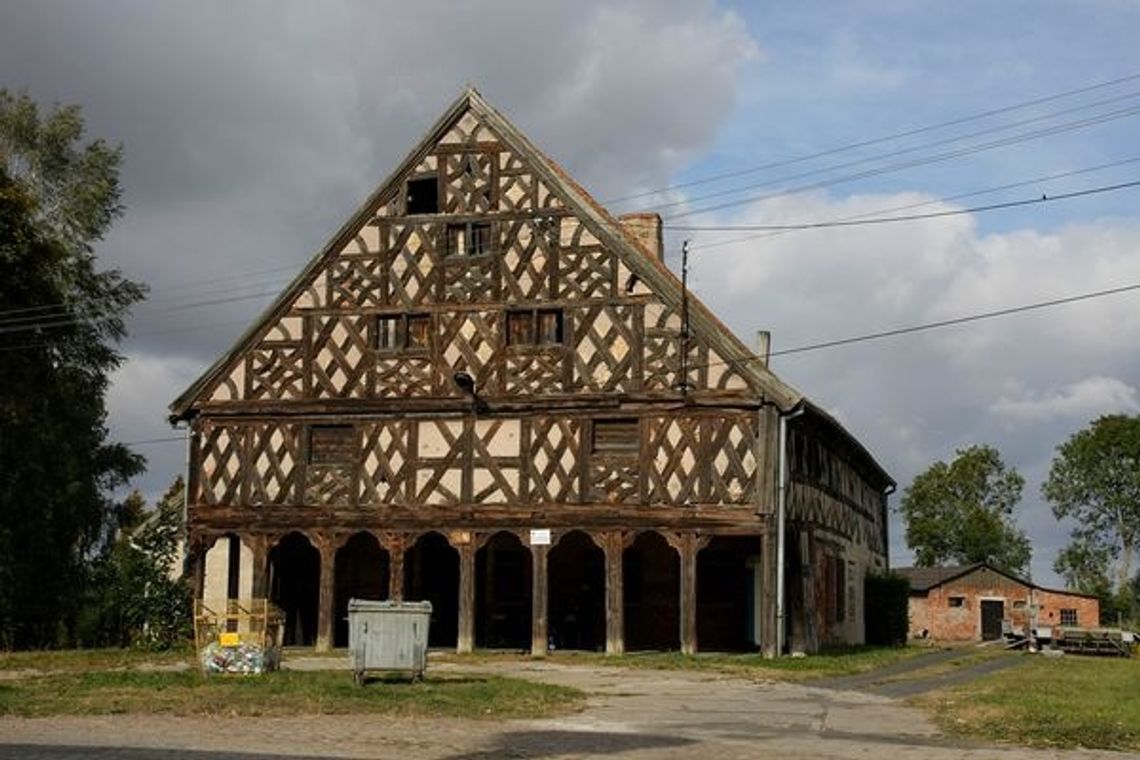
[
  {"x": 1069, "y": 612},
  {"x": 468, "y": 229},
  {"x": 956, "y": 602},
  {"x": 535, "y": 333},
  {"x": 403, "y": 331}
]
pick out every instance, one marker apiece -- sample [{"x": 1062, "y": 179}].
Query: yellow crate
[{"x": 238, "y": 635}]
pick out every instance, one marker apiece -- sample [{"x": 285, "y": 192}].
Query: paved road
[{"x": 635, "y": 714}]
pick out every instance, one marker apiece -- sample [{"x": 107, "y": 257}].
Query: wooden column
[
  {"x": 395, "y": 544},
  {"x": 259, "y": 546},
  {"x": 688, "y": 545},
  {"x": 325, "y": 611},
  {"x": 612, "y": 545},
  {"x": 768, "y": 594},
  {"x": 197, "y": 568},
  {"x": 465, "y": 641},
  {"x": 538, "y": 631}
]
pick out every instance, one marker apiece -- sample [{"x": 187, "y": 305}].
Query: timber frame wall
[{"x": 349, "y": 407}]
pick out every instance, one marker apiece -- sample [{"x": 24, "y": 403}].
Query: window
[
  {"x": 957, "y": 601},
  {"x": 1069, "y": 617},
  {"x": 537, "y": 327},
  {"x": 423, "y": 195},
  {"x": 470, "y": 239},
  {"x": 332, "y": 444},
  {"x": 410, "y": 332},
  {"x": 616, "y": 435}
]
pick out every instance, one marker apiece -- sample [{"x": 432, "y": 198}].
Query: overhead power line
[
  {"x": 930, "y": 202},
  {"x": 910, "y": 329},
  {"x": 907, "y": 217},
  {"x": 888, "y": 168},
  {"x": 878, "y": 140}
]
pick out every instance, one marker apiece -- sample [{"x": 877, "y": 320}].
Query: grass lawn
[
  {"x": 72, "y": 660},
  {"x": 827, "y": 664},
  {"x": 281, "y": 693},
  {"x": 1066, "y": 702}
]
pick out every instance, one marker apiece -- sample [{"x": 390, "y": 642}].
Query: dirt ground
[{"x": 630, "y": 714}]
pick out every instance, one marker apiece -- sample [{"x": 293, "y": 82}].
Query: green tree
[
  {"x": 139, "y": 597},
  {"x": 59, "y": 325},
  {"x": 963, "y": 512},
  {"x": 1095, "y": 481}
]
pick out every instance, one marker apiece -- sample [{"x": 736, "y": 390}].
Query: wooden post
[
  {"x": 538, "y": 630},
  {"x": 197, "y": 568},
  {"x": 325, "y": 611},
  {"x": 687, "y": 548},
  {"x": 465, "y": 641},
  {"x": 259, "y": 546},
  {"x": 613, "y": 546},
  {"x": 768, "y": 594},
  {"x": 396, "y": 545}
]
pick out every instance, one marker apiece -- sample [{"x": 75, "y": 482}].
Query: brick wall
[{"x": 953, "y": 611}]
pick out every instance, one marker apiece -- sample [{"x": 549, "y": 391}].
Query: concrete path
[{"x": 636, "y": 714}]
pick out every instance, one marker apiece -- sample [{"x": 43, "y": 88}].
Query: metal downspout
[{"x": 781, "y": 525}]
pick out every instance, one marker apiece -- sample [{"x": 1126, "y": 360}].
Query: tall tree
[
  {"x": 1095, "y": 480},
  {"x": 963, "y": 512},
  {"x": 60, "y": 321}
]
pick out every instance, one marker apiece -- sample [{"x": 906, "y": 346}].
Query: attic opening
[{"x": 422, "y": 195}]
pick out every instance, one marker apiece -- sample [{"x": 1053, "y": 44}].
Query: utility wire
[
  {"x": 932, "y": 325},
  {"x": 1096, "y": 119},
  {"x": 889, "y": 168},
  {"x": 877, "y": 140},
  {"x": 908, "y": 217}
]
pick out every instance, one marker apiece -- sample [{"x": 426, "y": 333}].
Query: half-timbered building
[{"x": 488, "y": 392}]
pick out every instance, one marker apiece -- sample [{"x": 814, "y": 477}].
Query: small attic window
[
  {"x": 469, "y": 239},
  {"x": 423, "y": 195}
]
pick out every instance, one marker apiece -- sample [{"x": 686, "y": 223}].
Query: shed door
[{"x": 992, "y": 614}]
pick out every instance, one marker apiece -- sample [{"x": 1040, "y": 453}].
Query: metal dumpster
[{"x": 388, "y": 636}]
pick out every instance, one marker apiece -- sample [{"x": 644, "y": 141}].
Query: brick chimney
[{"x": 646, "y": 227}]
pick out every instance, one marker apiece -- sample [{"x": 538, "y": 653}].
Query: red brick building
[{"x": 969, "y": 603}]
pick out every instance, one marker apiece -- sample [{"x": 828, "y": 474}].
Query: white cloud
[{"x": 1083, "y": 400}]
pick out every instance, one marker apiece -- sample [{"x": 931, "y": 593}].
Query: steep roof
[
  {"x": 616, "y": 236},
  {"x": 608, "y": 230}
]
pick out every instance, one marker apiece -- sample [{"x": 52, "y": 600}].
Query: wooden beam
[{"x": 538, "y": 615}]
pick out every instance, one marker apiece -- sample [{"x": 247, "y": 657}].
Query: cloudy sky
[{"x": 253, "y": 129}]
